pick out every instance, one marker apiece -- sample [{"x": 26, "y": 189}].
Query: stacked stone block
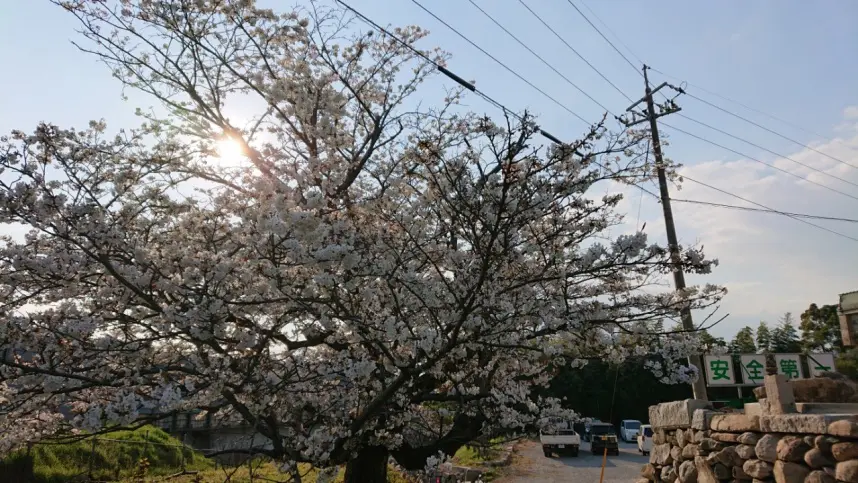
[{"x": 692, "y": 444}]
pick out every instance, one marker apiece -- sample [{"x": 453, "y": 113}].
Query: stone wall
[{"x": 693, "y": 444}]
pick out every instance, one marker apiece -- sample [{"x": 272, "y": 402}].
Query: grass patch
[
  {"x": 147, "y": 451},
  {"x": 476, "y": 455},
  {"x": 268, "y": 471}
]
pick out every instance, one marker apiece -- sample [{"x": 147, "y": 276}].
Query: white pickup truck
[{"x": 560, "y": 441}]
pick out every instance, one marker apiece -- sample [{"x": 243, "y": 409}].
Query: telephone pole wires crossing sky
[{"x": 650, "y": 115}]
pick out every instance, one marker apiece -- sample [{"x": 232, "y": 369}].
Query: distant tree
[
  {"x": 820, "y": 328},
  {"x": 785, "y": 336},
  {"x": 590, "y": 389},
  {"x": 710, "y": 343},
  {"x": 764, "y": 337},
  {"x": 744, "y": 341},
  {"x": 847, "y": 363}
]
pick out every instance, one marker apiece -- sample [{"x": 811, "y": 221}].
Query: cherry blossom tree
[{"x": 379, "y": 279}]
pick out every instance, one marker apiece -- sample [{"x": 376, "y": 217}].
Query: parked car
[
  {"x": 603, "y": 436},
  {"x": 645, "y": 439},
  {"x": 587, "y": 425},
  {"x": 629, "y": 429}
]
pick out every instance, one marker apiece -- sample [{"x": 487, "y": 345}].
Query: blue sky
[{"x": 794, "y": 59}]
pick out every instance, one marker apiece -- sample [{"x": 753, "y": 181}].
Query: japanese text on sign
[
  {"x": 820, "y": 364},
  {"x": 719, "y": 370},
  {"x": 789, "y": 365},
  {"x": 753, "y": 368}
]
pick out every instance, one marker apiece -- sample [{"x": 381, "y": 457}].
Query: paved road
[{"x": 530, "y": 466}]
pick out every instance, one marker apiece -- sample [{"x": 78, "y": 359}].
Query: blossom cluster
[{"x": 375, "y": 276}]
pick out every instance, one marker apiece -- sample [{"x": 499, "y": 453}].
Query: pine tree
[
  {"x": 785, "y": 336},
  {"x": 743, "y": 342},
  {"x": 764, "y": 337},
  {"x": 710, "y": 343}
]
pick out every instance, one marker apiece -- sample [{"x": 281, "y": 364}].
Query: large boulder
[
  {"x": 721, "y": 472},
  {"x": 847, "y": 471},
  {"x": 675, "y": 414},
  {"x": 746, "y": 451},
  {"x": 687, "y": 472},
  {"x": 819, "y": 477},
  {"x": 786, "y": 472},
  {"x": 668, "y": 473},
  {"x": 710, "y": 445},
  {"x": 845, "y": 427},
  {"x": 728, "y": 457},
  {"x": 705, "y": 474},
  {"x": 767, "y": 448},
  {"x": 816, "y": 459},
  {"x": 699, "y": 436},
  {"x": 844, "y": 451},
  {"x": 739, "y": 473},
  {"x": 819, "y": 390},
  {"x": 734, "y": 423},
  {"x": 791, "y": 448},
  {"x": 676, "y": 453},
  {"x": 824, "y": 442},
  {"x": 680, "y": 438},
  {"x": 648, "y": 471},
  {"x": 660, "y": 455},
  {"x": 758, "y": 469},
  {"x": 689, "y": 451},
  {"x": 800, "y": 423},
  {"x": 701, "y": 418},
  {"x": 725, "y": 437},
  {"x": 749, "y": 438}
]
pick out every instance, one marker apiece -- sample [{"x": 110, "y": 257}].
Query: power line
[
  {"x": 747, "y": 208},
  {"x": 509, "y": 69},
  {"x": 770, "y": 116},
  {"x": 572, "y": 49},
  {"x": 835, "y": 190},
  {"x": 767, "y": 149},
  {"x": 715, "y": 94},
  {"x": 761, "y": 210},
  {"x": 548, "y": 64},
  {"x": 472, "y": 88},
  {"x": 467, "y": 85},
  {"x": 617, "y": 37},
  {"x": 794, "y": 217},
  {"x": 737, "y": 116},
  {"x": 603, "y": 36}
]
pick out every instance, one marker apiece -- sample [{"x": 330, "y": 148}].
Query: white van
[
  {"x": 629, "y": 429},
  {"x": 645, "y": 439}
]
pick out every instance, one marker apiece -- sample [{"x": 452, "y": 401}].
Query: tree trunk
[{"x": 370, "y": 466}]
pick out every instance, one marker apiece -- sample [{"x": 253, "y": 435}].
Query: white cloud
[
  {"x": 770, "y": 264},
  {"x": 851, "y": 112}
]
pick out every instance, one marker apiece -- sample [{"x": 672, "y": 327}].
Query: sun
[{"x": 230, "y": 152}]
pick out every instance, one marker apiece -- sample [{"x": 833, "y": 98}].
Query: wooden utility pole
[{"x": 649, "y": 114}]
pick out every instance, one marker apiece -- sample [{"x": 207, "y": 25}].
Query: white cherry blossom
[{"x": 381, "y": 278}]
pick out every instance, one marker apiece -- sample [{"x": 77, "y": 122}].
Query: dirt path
[{"x": 530, "y": 466}]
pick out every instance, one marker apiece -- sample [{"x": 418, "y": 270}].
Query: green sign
[
  {"x": 789, "y": 365},
  {"x": 719, "y": 370},
  {"x": 753, "y": 368},
  {"x": 820, "y": 363}
]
